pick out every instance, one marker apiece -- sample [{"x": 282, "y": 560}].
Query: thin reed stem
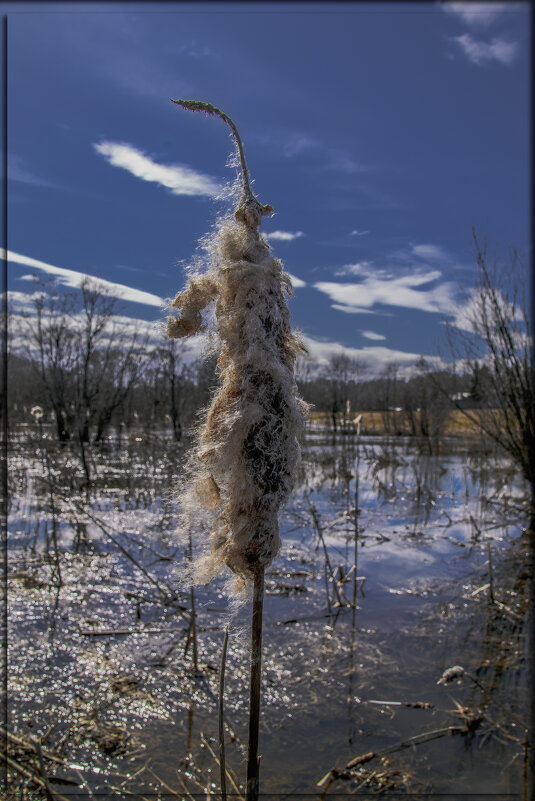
[
  {"x": 491, "y": 574},
  {"x": 247, "y": 197},
  {"x": 57, "y": 565},
  {"x": 193, "y": 614},
  {"x": 253, "y": 766},
  {"x": 356, "y": 523},
  {"x": 222, "y": 765},
  {"x": 328, "y": 570},
  {"x": 193, "y": 631}
]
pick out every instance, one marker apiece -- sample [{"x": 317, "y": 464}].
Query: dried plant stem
[
  {"x": 328, "y": 570},
  {"x": 247, "y": 198},
  {"x": 491, "y": 574},
  {"x": 193, "y": 632},
  {"x": 193, "y": 623},
  {"x": 237, "y": 794},
  {"x": 254, "y": 689},
  {"x": 242, "y": 468},
  {"x": 222, "y": 765},
  {"x": 48, "y": 789},
  {"x": 356, "y": 523},
  {"x": 167, "y": 593},
  {"x": 28, "y": 775},
  {"x": 57, "y": 566}
]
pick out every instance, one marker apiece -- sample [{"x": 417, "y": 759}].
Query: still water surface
[{"x": 98, "y": 663}]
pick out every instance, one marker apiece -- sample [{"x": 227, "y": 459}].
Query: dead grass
[{"x": 457, "y": 423}]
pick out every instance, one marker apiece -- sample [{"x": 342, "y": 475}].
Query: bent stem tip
[{"x": 250, "y": 211}]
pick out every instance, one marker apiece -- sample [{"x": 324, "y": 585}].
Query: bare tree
[
  {"x": 342, "y": 374},
  {"x": 491, "y": 339},
  {"x": 425, "y": 403},
  {"x": 51, "y": 349},
  {"x": 390, "y": 408},
  {"x": 172, "y": 375},
  {"x": 86, "y": 365}
]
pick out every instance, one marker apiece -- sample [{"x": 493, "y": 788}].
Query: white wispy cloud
[
  {"x": 21, "y": 302},
  {"x": 474, "y": 307},
  {"x": 121, "y": 329},
  {"x": 362, "y": 268},
  {"x": 429, "y": 252},
  {"x": 283, "y": 236},
  {"x": 297, "y": 283},
  {"x": 179, "y": 179},
  {"x": 354, "y": 309},
  {"x": 356, "y": 232},
  {"x": 479, "y": 52},
  {"x": 401, "y": 292},
  {"x": 296, "y": 143},
  {"x": 73, "y": 278},
  {"x": 477, "y": 14},
  {"x": 372, "y": 335},
  {"x": 19, "y": 171},
  {"x": 374, "y": 356},
  {"x": 292, "y": 143},
  {"x": 342, "y": 162}
]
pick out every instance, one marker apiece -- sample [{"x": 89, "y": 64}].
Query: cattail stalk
[
  {"x": 253, "y": 762},
  {"x": 242, "y": 468},
  {"x": 221, "y": 726},
  {"x": 193, "y": 618}
]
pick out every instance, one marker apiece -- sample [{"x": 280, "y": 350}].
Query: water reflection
[{"x": 383, "y": 583}]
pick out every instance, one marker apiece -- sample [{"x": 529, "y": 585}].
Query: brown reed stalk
[
  {"x": 328, "y": 569},
  {"x": 491, "y": 574},
  {"x": 222, "y": 765},
  {"x": 253, "y": 761},
  {"x": 193, "y": 613}
]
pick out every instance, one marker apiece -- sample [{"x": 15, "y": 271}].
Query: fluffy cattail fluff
[{"x": 243, "y": 463}]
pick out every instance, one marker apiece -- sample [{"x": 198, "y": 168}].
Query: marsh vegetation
[{"x": 397, "y": 564}]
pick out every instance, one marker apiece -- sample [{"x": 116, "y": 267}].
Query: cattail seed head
[{"x": 243, "y": 464}]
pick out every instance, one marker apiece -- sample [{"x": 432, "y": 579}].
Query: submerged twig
[
  {"x": 228, "y": 772},
  {"x": 169, "y": 595},
  {"x": 12, "y": 763},
  {"x": 48, "y": 789},
  {"x": 347, "y": 772}
]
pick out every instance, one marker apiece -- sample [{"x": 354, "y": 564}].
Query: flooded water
[{"x": 395, "y": 567}]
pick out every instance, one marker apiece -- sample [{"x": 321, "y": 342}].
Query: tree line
[{"x": 94, "y": 377}]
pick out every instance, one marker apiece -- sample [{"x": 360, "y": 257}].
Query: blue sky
[{"x": 380, "y": 134}]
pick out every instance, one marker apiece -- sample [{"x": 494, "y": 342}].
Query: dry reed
[
  {"x": 243, "y": 464},
  {"x": 242, "y": 467}
]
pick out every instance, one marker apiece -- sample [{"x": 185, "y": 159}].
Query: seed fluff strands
[{"x": 242, "y": 468}]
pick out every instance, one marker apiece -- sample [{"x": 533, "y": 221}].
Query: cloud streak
[
  {"x": 374, "y": 356},
  {"x": 73, "y": 278},
  {"x": 479, "y": 52},
  {"x": 283, "y": 236},
  {"x": 178, "y": 179},
  {"x": 372, "y": 335},
  {"x": 297, "y": 283},
  {"x": 429, "y": 252},
  {"x": 401, "y": 292},
  {"x": 477, "y": 14},
  {"x": 362, "y": 268},
  {"x": 17, "y": 171}
]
